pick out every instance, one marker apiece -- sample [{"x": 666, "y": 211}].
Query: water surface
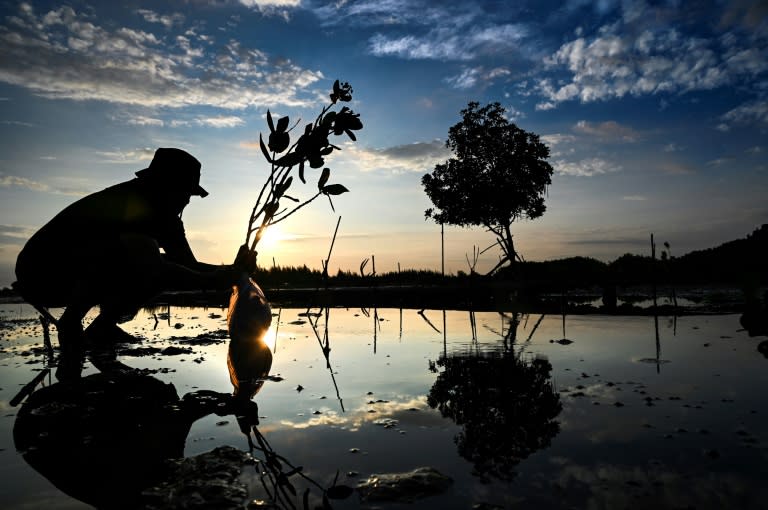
[{"x": 615, "y": 419}]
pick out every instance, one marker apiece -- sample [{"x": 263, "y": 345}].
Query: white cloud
[
  {"x": 142, "y": 120},
  {"x": 672, "y": 147},
  {"x": 14, "y": 181},
  {"x": 513, "y": 114},
  {"x": 560, "y": 145},
  {"x": 279, "y": 8},
  {"x": 470, "y": 76},
  {"x": 673, "y": 168},
  {"x": 166, "y": 20},
  {"x": 753, "y": 112},
  {"x": 607, "y": 131},
  {"x": 625, "y": 59},
  {"x": 450, "y": 43},
  {"x": 557, "y": 139},
  {"x": 413, "y": 157},
  {"x": 261, "y": 4},
  {"x": 466, "y": 80},
  {"x": 217, "y": 122},
  {"x": 62, "y": 54},
  {"x": 396, "y": 13},
  {"x": 17, "y": 182},
  {"x": 720, "y": 161},
  {"x": 634, "y": 198},
  {"x": 221, "y": 121},
  {"x": 127, "y": 156},
  {"x": 16, "y": 123},
  {"x": 14, "y": 235},
  {"x": 585, "y": 168}
]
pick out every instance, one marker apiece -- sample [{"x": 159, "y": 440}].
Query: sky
[{"x": 656, "y": 115}]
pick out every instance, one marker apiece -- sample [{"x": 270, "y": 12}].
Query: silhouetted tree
[{"x": 498, "y": 174}]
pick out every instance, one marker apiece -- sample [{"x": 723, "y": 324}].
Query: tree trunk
[{"x": 504, "y": 238}]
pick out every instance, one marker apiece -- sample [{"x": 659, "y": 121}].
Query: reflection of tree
[{"x": 506, "y": 405}]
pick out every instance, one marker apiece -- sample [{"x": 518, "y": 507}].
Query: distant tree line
[
  {"x": 740, "y": 262},
  {"x": 736, "y": 262}
]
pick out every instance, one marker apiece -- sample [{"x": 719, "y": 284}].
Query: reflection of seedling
[
  {"x": 325, "y": 345},
  {"x": 666, "y": 257},
  {"x": 421, "y": 312},
  {"x": 275, "y": 472},
  {"x": 312, "y": 147}
]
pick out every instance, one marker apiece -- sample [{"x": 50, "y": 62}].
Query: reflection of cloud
[
  {"x": 412, "y": 410},
  {"x": 328, "y": 418},
  {"x": 64, "y": 54},
  {"x": 649, "y": 485}
]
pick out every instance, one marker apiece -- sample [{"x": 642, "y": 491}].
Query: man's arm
[{"x": 187, "y": 271}]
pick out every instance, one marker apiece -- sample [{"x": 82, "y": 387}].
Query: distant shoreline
[{"x": 633, "y": 300}]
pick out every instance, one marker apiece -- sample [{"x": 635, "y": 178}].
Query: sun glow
[
  {"x": 271, "y": 238},
  {"x": 271, "y": 337}
]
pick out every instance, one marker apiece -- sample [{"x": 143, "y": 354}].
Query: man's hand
[{"x": 245, "y": 260}]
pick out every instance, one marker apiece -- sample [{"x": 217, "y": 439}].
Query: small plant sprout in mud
[{"x": 311, "y": 149}]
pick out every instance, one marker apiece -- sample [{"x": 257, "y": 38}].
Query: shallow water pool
[{"x": 620, "y": 417}]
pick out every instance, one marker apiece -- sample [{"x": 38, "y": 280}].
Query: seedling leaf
[{"x": 334, "y": 189}]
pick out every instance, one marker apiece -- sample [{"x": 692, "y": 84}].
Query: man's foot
[
  {"x": 104, "y": 359},
  {"x": 102, "y": 330},
  {"x": 71, "y": 337},
  {"x": 69, "y": 366}
]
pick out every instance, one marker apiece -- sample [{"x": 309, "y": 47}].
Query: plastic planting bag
[{"x": 249, "y": 358}]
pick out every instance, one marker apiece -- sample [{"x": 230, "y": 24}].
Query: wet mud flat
[
  {"x": 479, "y": 296},
  {"x": 498, "y": 405}
]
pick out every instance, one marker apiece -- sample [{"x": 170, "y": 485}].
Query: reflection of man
[
  {"x": 119, "y": 430},
  {"x": 104, "y": 250}
]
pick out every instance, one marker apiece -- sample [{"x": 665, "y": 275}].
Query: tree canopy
[{"x": 499, "y": 173}]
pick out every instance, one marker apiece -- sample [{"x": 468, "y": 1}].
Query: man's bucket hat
[{"x": 175, "y": 166}]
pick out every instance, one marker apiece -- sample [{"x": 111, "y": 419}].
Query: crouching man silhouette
[{"x": 105, "y": 250}]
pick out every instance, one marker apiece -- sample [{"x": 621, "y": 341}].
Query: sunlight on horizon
[{"x": 272, "y": 238}]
